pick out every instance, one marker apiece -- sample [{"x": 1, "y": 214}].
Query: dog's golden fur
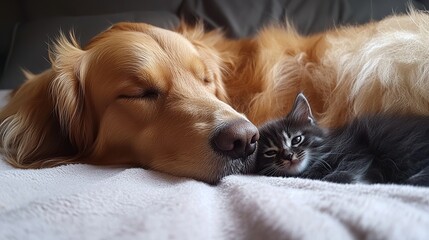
[{"x": 141, "y": 95}]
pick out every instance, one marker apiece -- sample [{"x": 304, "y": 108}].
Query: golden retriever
[{"x": 186, "y": 102}]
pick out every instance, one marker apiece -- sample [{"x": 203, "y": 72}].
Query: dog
[{"x": 187, "y": 102}]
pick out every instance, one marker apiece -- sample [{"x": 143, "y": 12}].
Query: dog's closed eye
[
  {"x": 207, "y": 80},
  {"x": 147, "y": 94}
]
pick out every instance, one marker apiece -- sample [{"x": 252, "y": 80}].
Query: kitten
[{"x": 373, "y": 149}]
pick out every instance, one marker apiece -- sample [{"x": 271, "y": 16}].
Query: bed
[{"x": 79, "y": 201}]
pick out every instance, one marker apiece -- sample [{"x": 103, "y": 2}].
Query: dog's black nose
[{"x": 236, "y": 139}]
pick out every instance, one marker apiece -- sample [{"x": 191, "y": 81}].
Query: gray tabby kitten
[{"x": 374, "y": 149}]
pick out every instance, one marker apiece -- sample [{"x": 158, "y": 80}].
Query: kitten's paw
[{"x": 339, "y": 177}]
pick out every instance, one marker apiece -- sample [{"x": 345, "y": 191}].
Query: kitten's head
[{"x": 285, "y": 145}]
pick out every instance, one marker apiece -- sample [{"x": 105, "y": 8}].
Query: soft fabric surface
[{"x": 90, "y": 202}]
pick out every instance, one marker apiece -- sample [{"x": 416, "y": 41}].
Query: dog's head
[{"x": 136, "y": 94}]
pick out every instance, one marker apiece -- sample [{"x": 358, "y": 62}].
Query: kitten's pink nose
[
  {"x": 287, "y": 156},
  {"x": 236, "y": 139}
]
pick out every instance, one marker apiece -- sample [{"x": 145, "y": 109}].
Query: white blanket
[{"x": 88, "y": 202}]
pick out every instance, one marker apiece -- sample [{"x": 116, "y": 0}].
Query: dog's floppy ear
[
  {"x": 46, "y": 122},
  {"x": 69, "y": 64}
]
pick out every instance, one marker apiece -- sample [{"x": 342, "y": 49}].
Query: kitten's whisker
[
  {"x": 278, "y": 172},
  {"x": 268, "y": 171},
  {"x": 348, "y": 154},
  {"x": 394, "y": 164},
  {"x": 325, "y": 164},
  {"x": 264, "y": 171}
]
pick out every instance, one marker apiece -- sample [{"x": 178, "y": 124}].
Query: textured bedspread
[{"x": 87, "y": 202}]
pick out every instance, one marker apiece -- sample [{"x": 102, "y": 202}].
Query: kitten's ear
[{"x": 301, "y": 110}]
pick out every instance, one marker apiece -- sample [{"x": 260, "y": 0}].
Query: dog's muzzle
[{"x": 236, "y": 139}]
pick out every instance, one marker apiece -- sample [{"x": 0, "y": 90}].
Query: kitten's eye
[
  {"x": 297, "y": 140},
  {"x": 270, "y": 153}
]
